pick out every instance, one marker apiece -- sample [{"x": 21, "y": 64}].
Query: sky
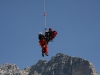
[{"x": 76, "y": 21}]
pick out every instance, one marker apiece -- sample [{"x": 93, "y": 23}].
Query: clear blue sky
[{"x": 76, "y": 21}]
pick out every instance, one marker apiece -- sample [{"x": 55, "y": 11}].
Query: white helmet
[{"x": 40, "y": 33}]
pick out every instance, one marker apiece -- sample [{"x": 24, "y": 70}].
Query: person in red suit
[
  {"x": 52, "y": 34},
  {"x": 44, "y": 46}
]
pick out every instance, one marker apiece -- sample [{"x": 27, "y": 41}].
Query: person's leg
[
  {"x": 42, "y": 53},
  {"x": 46, "y": 50}
]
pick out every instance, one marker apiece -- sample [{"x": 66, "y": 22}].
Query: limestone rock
[{"x": 60, "y": 64}]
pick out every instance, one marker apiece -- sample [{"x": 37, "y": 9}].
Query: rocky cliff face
[
  {"x": 11, "y": 69},
  {"x": 60, "y": 64},
  {"x": 8, "y": 69}
]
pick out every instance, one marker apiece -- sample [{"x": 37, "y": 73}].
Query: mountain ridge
[{"x": 60, "y": 64}]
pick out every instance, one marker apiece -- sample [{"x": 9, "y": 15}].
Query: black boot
[
  {"x": 42, "y": 53},
  {"x": 46, "y": 54}
]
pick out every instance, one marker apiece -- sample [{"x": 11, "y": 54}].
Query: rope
[
  {"x": 44, "y": 5},
  {"x": 44, "y": 17}
]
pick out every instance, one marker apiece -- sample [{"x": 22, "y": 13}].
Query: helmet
[
  {"x": 40, "y": 33},
  {"x": 50, "y": 28}
]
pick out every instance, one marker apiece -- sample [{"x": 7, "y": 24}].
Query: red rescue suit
[
  {"x": 54, "y": 34},
  {"x": 44, "y": 46}
]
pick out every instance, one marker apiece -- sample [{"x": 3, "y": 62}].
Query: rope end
[{"x": 44, "y": 13}]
